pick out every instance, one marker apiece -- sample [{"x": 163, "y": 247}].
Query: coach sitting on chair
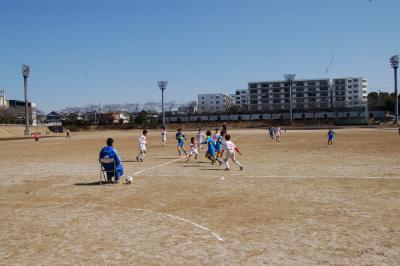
[{"x": 110, "y": 152}]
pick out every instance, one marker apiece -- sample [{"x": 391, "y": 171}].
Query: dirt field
[{"x": 297, "y": 202}]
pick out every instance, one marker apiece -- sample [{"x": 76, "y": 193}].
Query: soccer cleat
[
  {"x": 137, "y": 159},
  {"x": 241, "y": 168},
  {"x": 227, "y": 169}
]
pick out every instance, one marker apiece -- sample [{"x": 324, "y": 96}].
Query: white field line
[
  {"x": 202, "y": 227},
  {"x": 329, "y": 176},
  {"x": 282, "y": 176},
  {"x": 156, "y": 166}
]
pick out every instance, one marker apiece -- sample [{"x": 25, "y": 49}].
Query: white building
[
  {"x": 214, "y": 103},
  {"x": 3, "y": 101},
  {"x": 308, "y": 94},
  {"x": 349, "y": 92},
  {"x": 242, "y": 99}
]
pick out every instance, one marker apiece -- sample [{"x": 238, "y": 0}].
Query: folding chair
[{"x": 107, "y": 168}]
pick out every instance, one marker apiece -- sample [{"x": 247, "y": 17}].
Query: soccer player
[
  {"x": 229, "y": 147},
  {"x": 142, "y": 146},
  {"x": 68, "y": 134},
  {"x": 217, "y": 134},
  {"x": 331, "y": 135},
  {"x": 211, "y": 154},
  {"x": 218, "y": 143},
  {"x": 193, "y": 149},
  {"x": 199, "y": 138},
  {"x": 109, "y": 152},
  {"x": 278, "y": 134},
  {"x": 164, "y": 136},
  {"x": 271, "y": 132},
  {"x": 224, "y": 129},
  {"x": 180, "y": 137}
]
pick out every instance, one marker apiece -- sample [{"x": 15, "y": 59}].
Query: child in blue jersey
[
  {"x": 110, "y": 152},
  {"x": 331, "y": 135},
  {"x": 211, "y": 152},
  {"x": 180, "y": 137},
  {"x": 218, "y": 143}
]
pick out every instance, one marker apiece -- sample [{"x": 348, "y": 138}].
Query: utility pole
[
  {"x": 290, "y": 78},
  {"x": 25, "y": 73},
  {"x": 163, "y": 86}
]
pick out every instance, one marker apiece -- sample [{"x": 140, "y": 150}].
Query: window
[
  {"x": 253, "y": 102},
  {"x": 276, "y": 101},
  {"x": 253, "y": 85},
  {"x": 202, "y": 102},
  {"x": 217, "y": 102},
  {"x": 253, "y": 91},
  {"x": 216, "y": 97},
  {"x": 350, "y": 87}
]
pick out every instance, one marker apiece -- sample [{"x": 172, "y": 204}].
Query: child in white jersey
[
  {"x": 229, "y": 147},
  {"x": 142, "y": 146},
  {"x": 164, "y": 136},
  {"x": 200, "y": 136},
  {"x": 193, "y": 149}
]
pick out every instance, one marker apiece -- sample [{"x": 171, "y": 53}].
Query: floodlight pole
[
  {"x": 290, "y": 78},
  {"x": 163, "y": 86},
  {"x": 394, "y": 61},
  {"x": 25, "y": 73}
]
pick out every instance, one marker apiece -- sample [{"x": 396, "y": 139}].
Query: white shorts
[
  {"x": 142, "y": 147},
  {"x": 230, "y": 155},
  {"x": 193, "y": 151}
]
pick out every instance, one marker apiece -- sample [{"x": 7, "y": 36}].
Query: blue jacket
[{"x": 110, "y": 152}]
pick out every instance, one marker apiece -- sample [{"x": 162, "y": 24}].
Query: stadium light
[
  {"x": 394, "y": 61},
  {"x": 290, "y": 78},
  {"x": 163, "y": 86},
  {"x": 26, "y": 70}
]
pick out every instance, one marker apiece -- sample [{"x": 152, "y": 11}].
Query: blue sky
[{"x": 87, "y": 51}]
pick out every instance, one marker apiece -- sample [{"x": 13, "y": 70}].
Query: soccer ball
[{"x": 129, "y": 179}]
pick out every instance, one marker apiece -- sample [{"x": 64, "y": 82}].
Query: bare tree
[
  {"x": 151, "y": 106},
  {"x": 131, "y": 107},
  {"x": 189, "y": 107},
  {"x": 112, "y": 107},
  {"x": 91, "y": 108},
  {"x": 170, "y": 106},
  {"x": 71, "y": 110}
]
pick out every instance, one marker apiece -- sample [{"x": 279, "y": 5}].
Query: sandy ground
[{"x": 297, "y": 202}]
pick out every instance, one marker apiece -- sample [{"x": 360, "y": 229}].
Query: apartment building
[
  {"x": 215, "y": 102},
  {"x": 241, "y": 99},
  {"x": 307, "y": 94}
]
